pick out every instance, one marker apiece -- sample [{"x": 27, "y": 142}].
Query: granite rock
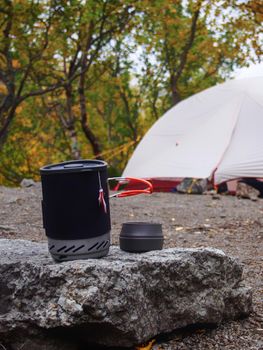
[{"x": 122, "y": 299}]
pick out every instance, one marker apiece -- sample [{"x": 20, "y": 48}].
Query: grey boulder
[
  {"x": 119, "y": 300},
  {"x": 27, "y": 183}
]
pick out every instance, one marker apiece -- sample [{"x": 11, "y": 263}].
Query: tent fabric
[{"x": 217, "y": 132}]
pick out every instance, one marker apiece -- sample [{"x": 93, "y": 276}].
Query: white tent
[{"x": 217, "y": 132}]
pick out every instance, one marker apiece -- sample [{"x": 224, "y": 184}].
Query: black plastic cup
[
  {"x": 76, "y": 223},
  {"x": 141, "y": 237}
]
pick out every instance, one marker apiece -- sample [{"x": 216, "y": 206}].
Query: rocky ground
[{"x": 225, "y": 222}]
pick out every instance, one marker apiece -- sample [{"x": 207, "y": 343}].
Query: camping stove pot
[{"x": 76, "y": 211}]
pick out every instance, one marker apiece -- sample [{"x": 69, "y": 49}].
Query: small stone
[
  {"x": 12, "y": 199},
  {"x": 7, "y": 228},
  {"x": 259, "y": 331},
  {"x": 27, "y": 183},
  {"x": 246, "y": 191},
  {"x": 216, "y": 196}
]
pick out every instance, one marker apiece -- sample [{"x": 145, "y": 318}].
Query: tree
[
  {"x": 198, "y": 42},
  {"x": 87, "y": 30},
  {"x": 118, "y": 101},
  {"x": 87, "y": 78},
  {"x": 24, "y": 49},
  {"x": 57, "y": 47}
]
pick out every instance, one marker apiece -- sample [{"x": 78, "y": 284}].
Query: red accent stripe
[{"x": 102, "y": 200}]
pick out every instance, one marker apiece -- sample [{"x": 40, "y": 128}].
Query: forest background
[{"x": 86, "y": 79}]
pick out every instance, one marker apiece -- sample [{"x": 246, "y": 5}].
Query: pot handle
[{"x": 148, "y": 189}]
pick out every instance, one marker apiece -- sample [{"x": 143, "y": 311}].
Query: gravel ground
[{"x": 225, "y": 222}]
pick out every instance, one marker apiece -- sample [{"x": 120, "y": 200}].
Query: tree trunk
[
  {"x": 74, "y": 145},
  {"x": 70, "y": 125},
  {"x": 96, "y": 148},
  {"x": 6, "y": 117},
  {"x": 178, "y": 71},
  {"x": 176, "y": 98},
  {"x": 130, "y": 123}
]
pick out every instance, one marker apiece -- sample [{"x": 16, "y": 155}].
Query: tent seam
[{"x": 230, "y": 138}]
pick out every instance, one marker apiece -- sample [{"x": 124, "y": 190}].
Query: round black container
[
  {"x": 141, "y": 237},
  {"x": 76, "y": 223}
]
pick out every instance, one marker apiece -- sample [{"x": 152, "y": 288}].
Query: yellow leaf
[
  {"x": 3, "y": 89},
  {"x": 146, "y": 347},
  {"x": 16, "y": 63}
]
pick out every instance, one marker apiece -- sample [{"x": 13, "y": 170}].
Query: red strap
[{"x": 148, "y": 189}]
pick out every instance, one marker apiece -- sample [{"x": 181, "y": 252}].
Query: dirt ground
[{"x": 225, "y": 222}]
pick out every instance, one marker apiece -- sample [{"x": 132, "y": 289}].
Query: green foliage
[{"x": 88, "y": 78}]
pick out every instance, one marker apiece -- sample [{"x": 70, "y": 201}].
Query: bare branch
[{"x": 42, "y": 91}]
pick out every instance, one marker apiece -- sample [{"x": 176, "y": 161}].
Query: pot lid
[
  {"x": 74, "y": 166},
  {"x": 141, "y": 229}
]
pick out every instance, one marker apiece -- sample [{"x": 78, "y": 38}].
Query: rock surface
[{"x": 120, "y": 300}]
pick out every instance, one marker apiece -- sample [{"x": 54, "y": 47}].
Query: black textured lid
[
  {"x": 74, "y": 166},
  {"x": 141, "y": 229}
]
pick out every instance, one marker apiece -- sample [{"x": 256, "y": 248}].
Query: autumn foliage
[{"x": 86, "y": 79}]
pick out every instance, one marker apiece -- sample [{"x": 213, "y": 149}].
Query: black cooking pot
[
  {"x": 76, "y": 211},
  {"x": 137, "y": 237}
]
